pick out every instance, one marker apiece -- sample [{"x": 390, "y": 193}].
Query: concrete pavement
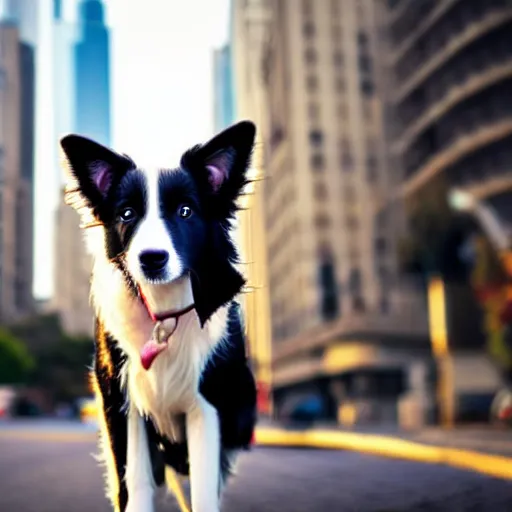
[{"x": 42, "y": 472}]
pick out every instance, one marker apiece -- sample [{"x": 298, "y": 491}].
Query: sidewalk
[{"x": 484, "y": 439}]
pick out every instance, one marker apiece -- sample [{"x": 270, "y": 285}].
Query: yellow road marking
[{"x": 492, "y": 465}]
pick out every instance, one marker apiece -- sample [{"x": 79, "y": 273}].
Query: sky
[{"x": 162, "y": 95}]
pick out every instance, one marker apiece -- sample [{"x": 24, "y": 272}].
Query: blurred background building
[
  {"x": 224, "y": 97},
  {"x": 82, "y": 60},
  {"x": 343, "y": 324},
  {"x": 17, "y": 84}
]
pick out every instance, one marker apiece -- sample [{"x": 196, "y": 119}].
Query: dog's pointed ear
[
  {"x": 220, "y": 165},
  {"x": 92, "y": 168}
]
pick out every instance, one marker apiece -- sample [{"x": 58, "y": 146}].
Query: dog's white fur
[
  {"x": 152, "y": 235},
  {"x": 171, "y": 386}
]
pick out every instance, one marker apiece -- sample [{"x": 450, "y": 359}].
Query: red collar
[{"x": 159, "y": 317}]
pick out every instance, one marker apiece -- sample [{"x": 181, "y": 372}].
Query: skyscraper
[
  {"x": 16, "y": 171},
  {"x": 308, "y": 72},
  {"x": 223, "y": 108},
  {"x": 92, "y": 73},
  {"x": 82, "y": 105}
]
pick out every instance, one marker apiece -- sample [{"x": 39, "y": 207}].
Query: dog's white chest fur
[{"x": 171, "y": 385}]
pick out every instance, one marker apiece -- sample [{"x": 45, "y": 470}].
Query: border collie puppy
[{"x": 170, "y": 371}]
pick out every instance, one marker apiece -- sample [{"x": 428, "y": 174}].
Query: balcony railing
[
  {"x": 460, "y": 148},
  {"x": 472, "y": 32},
  {"x": 432, "y": 18},
  {"x": 455, "y": 95}
]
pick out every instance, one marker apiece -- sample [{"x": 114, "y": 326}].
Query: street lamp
[{"x": 463, "y": 201}]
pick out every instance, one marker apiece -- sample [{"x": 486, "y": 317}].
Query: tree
[
  {"x": 16, "y": 363},
  {"x": 436, "y": 235},
  {"x": 62, "y": 362}
]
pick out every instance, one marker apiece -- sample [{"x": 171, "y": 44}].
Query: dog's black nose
[{"x": 153, "y": 261}]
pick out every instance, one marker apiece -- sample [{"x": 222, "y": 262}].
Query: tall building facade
[
  {"x": 92, "y": 73},
  {"x": 16, "y": 171},
  {"x": 309, "y": 73},
  {"x": 82, "y": 105}
]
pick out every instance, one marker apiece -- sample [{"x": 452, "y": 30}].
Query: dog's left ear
[{"x": 220, "y": 165}]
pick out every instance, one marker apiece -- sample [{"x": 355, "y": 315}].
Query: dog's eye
[
  {"x": 127, "y": 215},
  {"x": 184, "y": 211}
]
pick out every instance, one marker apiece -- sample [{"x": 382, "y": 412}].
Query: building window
[
  {"x": 318, "y": 162},
  {"x": 338, "y": 59},
  {"x": 347, "y": 162},
  {"x": 362, "y": 39},
  {"x": 367, "y": 87},
  {"x": 309, "y": 29},
  {"x": 384, "y": 303},
  {"x": 340, "y": 85},
  {"x": 320, "y": 191},
  {"x": 355, "y": 288},
  {"x": 314, "y": 112},
  {"x": 329, "y": 292},
  {"x": 276, "y": 136},
  {"x": 316, "y": 138},
  {"x": 371, "y": 169},
  {"x": 322, "y": 221},
  {"x": 380, "y": 246},
  {"x": 310, "y": 55},
  {"x": 365, "y": 63},
  {"x": 312, "y": 83}
]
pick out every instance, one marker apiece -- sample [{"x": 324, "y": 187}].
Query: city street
[{"x": 49, "y": 468}]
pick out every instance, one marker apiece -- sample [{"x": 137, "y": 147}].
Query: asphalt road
[{"x": 45, "y": 469}]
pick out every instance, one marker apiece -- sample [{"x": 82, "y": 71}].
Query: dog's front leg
[
  {"x": 139, "y": 473},
  {"x": 203, "y": 440}
]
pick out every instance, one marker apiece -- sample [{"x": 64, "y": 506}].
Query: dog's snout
[{"x": 154, "y": 261}]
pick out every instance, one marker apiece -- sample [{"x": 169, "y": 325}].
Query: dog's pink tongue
[{"x": 149, "y": 352}]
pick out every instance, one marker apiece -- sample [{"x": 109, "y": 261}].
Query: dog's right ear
[{"x": 93, "y": 170}]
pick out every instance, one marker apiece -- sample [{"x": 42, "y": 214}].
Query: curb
[{"x": 492, "y": 465}]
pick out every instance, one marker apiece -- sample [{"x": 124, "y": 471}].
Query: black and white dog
[{"x": 170, "y": 370}]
